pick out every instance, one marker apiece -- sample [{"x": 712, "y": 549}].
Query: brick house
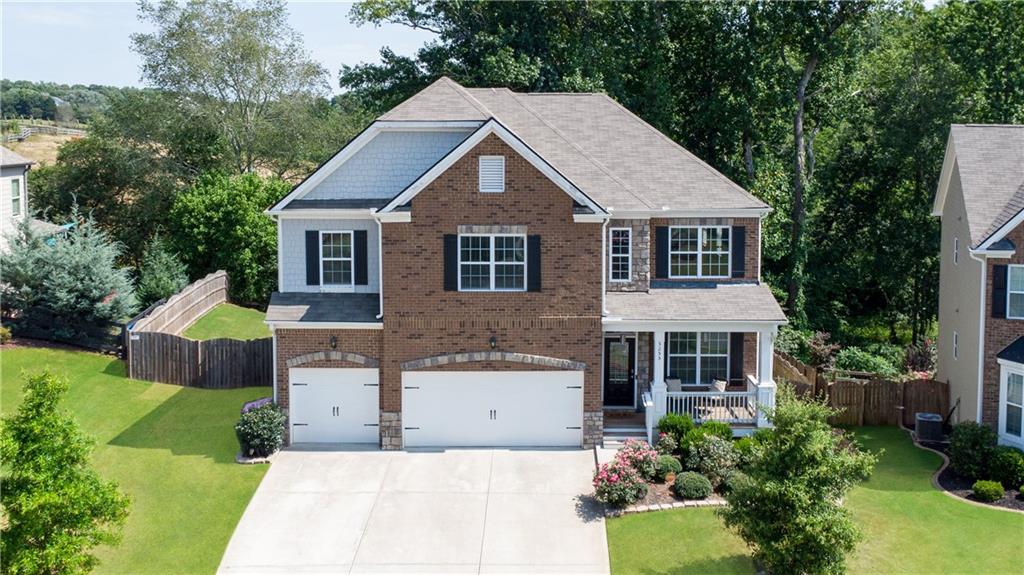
[
  {"x": 486, "y": 268},
  {"x": 981, "y": 280}
]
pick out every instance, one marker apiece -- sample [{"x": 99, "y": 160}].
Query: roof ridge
[
  {"x": 1006, "y": 214},
  {"x": 575, "y": 146},
  {"x": 468, "y": 97},
  {"x": 989, "y": 125},
  {"x": 700, "y": 162}
]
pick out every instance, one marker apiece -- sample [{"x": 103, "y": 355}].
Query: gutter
[
  {"x": 981, "y": 329},
  {"x": 380, "y": 264},
  {"x": 605, "y": 256}
]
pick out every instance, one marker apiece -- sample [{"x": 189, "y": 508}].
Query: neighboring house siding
[
  {"x": 959, "y": 307},
  {"x": 293, "y": 252},
  {"x": 421, "y": 319},
  {"x": 999, "y": 333},
  {"x": 386, "y": 165},
  {"x": 9, "y": 222},
  {"x": 752, "y": 241}
]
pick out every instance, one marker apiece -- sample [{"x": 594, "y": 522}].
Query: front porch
[{"x": 714, "y": 363}]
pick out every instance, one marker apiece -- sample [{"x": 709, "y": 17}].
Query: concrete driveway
[{"x": 456, "y": 511}]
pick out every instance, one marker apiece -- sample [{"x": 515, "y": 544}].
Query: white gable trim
[
  {"x": 1003, "y": 230},
  {"x": 944, "y": 177},
  {"x": 495, "y": 127},
  {"x": 356, "y": 144}
]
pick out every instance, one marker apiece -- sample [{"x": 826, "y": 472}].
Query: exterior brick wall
[
  {"x": 752, "y": 243},
  {"x": 999, "y": 333}
]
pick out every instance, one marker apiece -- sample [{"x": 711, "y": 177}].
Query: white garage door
[
  {"x": 489, "y": 408},
  {"x": 334, "y": 405}
]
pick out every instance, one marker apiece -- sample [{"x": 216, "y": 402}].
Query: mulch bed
[
  {"x": 658, "y": 493},
  {"x": 960, "y": 486}
]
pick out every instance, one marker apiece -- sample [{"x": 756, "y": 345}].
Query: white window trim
[
  {"x": 956, "y": 251},
  {"x": 1009, "y": 292},
  {"x": 20, "y": 197},
  {"x": 700, "y": 252},
  {"x": 1006, "y": 368},
  {"x": 612, "y": 255},
  {"x": 351, "y": 286},
  {"x": 669, "y": 355},
  {"x": 492, "y": 264},
  {"x": 956, "y": 345},
  {"x": 480, "y": 171}
]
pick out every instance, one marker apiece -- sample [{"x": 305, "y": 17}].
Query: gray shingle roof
[
  {"x": 1013, "y": 352},
  {"x": 991, "y": 163},
  {"x": 698, "y": 302},
  {"x": 342, "y": 204},
  {"x": 607, "y": 151},
  {"x": 324, "y": 307},
  {"x": 9, "y": 158}
]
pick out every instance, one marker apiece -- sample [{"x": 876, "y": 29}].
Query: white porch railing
[{"x": 732, "y": 407}]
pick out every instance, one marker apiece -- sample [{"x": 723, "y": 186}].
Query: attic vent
[{"x": 492, "y": 174}]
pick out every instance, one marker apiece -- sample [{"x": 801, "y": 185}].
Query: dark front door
[{"x": 618, "y": 372}]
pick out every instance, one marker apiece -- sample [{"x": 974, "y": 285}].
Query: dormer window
[{"x": 492, "y": 174}]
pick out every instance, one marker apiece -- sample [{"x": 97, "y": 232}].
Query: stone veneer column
[
  {"x": 390, "y": 430},
  {"x": 593, "y": 429}
]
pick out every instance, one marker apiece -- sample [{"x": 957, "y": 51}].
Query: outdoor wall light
[
  {"x": 494, "y": 342},
  {"x": 334, "y": 342}
]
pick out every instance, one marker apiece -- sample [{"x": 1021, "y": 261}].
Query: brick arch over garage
[
  {"x": 493, "y": 356},
  {"x": 350, "y": 357}
]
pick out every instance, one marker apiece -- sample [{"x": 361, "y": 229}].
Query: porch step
[{"x": 615, "y": 437}]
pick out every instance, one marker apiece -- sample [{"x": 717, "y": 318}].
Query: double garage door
[{"x": 441, "y": 408}]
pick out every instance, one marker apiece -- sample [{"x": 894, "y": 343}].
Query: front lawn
[
  {"x": 230, "y": 321},
  {"x": 170, "y": 448},
  {"x": 909, "y": 527}
]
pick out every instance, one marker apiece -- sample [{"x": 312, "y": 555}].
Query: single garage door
[
  {"x": 492, "y": 408},
  {"x": 334, "y": 405}
]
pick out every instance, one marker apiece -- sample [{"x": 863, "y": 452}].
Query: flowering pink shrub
[
  {"x": 618, "y": 484},
  {"x": 640, "y": 456}
]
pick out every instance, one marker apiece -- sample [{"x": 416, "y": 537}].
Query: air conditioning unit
[{"x": 929, "y": 426}]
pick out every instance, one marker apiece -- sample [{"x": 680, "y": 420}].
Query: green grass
[
  {"x": 231, "y": 321},
  {"x": 170, "y": 448},
  {"x": 909, "y": 527}
]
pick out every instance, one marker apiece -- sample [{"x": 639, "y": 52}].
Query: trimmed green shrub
[
  {"x": 668, "y": 464},
  {"x": 856, "y": 359},
  {"x": 260, "y": 430},
  {"x": 716, "y": 428},
  {"x": 713, "y": 457},
  {"x": 736, "y": 479},
  {"x": 5, "y": 334},
  {"x": 894, "y": 355},
  {"x": 745, "y": 451},
  {"x": 691, "y": 485},
  {"x": 667, "y": 444},
  {"x": 971, "y": 446},
  {"x": 988, "y": 491},
  {"x": 677, "y": 425},
  {"x": 618, "y": 484},
  {"x": 1007, "y": 466},
  {"x": 639, "y": 455}
]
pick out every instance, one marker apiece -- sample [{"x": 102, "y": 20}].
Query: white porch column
[
  {"x": 766, "y": 380},
  {"x": 658, "y": 387}
]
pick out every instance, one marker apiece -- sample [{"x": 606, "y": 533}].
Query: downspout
[
  {"x": 380, "y": 264},
  {"x": 604, "y": 264},
  {"x": 981, "y": 330}
]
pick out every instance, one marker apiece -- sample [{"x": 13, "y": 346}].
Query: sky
[{"x": 89, "y": 42}]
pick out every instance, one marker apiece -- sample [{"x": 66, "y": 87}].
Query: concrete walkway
[{"x": 456, "y": 511}]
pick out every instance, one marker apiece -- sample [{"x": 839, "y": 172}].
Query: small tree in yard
[
  {"x": 162, "y": 274},
  {"x": 788, "y": 506},
  {"x": 55, "y": 507}
]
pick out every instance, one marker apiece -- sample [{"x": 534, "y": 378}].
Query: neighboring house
[
  {"x": 486, "y": 268},
  {"x": 14, "y": 197},
  {"x": 981, "y": 282}
]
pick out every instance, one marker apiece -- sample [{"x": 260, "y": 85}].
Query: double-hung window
[
  {"x": 336, "y": 269},
  {"x": 492, "y": 262},
  {"x": 620, "y": 257},
  {"x": 1015, "y": 289},
  {"x": 1013, "y": 403},
  {"x": 698, "y": 358},
  {"x": 16, "y": 197},
  {"x": 699, "y": 252}
]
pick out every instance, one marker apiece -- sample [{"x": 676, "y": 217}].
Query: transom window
[
  {"x": 1013, "y": 415},
  {"x": 698, "y": 358},
  {"x": 336, "y": 259},
  {"x": 16, "y": 197},
  {"x": 492, "y": 262},
  {"x": 620, "y": 256},
  {"x": 1015, "y": 287},
  {"x": 699, "y": 252}
]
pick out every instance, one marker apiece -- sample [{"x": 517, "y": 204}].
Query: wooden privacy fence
[
  {"x": 886, "y": 402},
  {"x": 156, "y": 352}
]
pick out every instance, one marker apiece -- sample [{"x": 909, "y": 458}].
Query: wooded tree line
[
  {"x": 52, "y": 101},
  {"x": 835, "y": 113}
]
